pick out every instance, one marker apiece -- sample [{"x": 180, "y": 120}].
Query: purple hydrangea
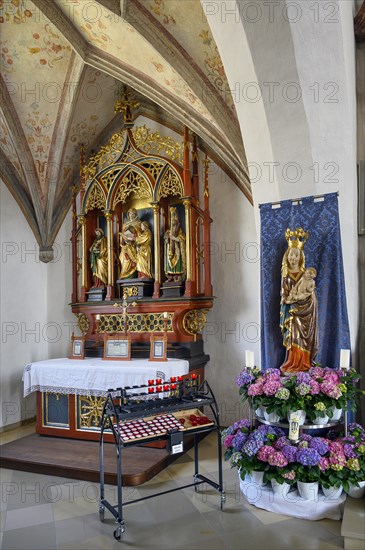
[
  {"x": 272, "y": 373},
  {"x": 303, "y": 378},
  {"x": 244, "y": 378},
  {"x": 302, "y": 389},
  {"x": 244, "y": 423},
  {"x": 290, "y": 453},
  {"x": 349, "y": 451},
  {"x": 238, "y": 441},
  {"x": 308, "y": 457},
  {"x": 281, "y": 442},
  {"x": 271, "y": 387},
  {"x": 319, "y": 444},
  {"x": 252, "y": 446}
]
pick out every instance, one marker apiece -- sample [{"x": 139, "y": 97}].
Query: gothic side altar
[{"x": 140, "y": 242}]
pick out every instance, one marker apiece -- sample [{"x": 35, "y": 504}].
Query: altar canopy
[{"x": 318, "y": 216}]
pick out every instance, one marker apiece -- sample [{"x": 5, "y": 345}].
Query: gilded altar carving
[
  {"x": 96, "y": 198},
  {"x": 194, "y": 321},
  {"x": 132, "y": 182},
  {"x": 170, "y": 184},
  {"x": 137, "y": 322},
  {"x": 153, "y": 142},
  {"x": 82, "y": 322},
  {"x": 91, "y": 409}
]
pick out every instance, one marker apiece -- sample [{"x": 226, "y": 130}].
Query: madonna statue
[{"x": 299, "y": 310}]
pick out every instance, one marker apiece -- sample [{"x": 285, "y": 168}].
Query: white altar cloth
[{"x": 94, "y": 376}]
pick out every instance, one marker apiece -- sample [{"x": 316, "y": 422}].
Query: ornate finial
[
  {"x": 297, "y": 238},
  {"x": 126, "y": 104}
]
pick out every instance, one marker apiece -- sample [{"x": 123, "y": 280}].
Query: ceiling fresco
[{"x": 63, "y": 66}]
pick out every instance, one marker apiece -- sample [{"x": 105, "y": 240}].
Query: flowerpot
[
  {"x": 332, "y": 493},
  {"x": 260, "y": 411},
  {"x": 271, "y": 417},
  {"x": 337, "y": 413},
  {"x": 356, "y": 492},
  {"x": 321, "y": 419},
  {"x": 281, "y": 489},
  {"x": 308, "y": 491},
  {"x": 301, "y": 414},
  {"x": 257, "y": 477}
]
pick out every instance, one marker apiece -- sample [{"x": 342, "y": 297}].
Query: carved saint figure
[
  {"x": 144, "y": 253},
  {"x": 299, "y": 309},
  {"x": 128, "y": 252},
  {"x": 175, "y": 249},
  {"x": 99, "y": 259},
  {"x": 135, "y": 247}
]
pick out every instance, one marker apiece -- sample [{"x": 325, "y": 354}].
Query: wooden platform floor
[{"x": 78, "y": 459}]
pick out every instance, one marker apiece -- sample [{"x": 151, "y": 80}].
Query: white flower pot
[
  {"x": 332, "y": 493},
  {"x": 301, "y": 414},
  {"x": 260, "y": 411},
  {"x": 308, "y": 491},
  {"x": 257, "y": 477},
  {"x": 271, "y": 417},
  {"x": 356, "y": 492},
  {"x": 281, "y": 489},
  {"x": 337, "y": 413},
  {"x": 321, "y": 419}
]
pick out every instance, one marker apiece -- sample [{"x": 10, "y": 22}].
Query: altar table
[{"x": 70, "y": 393}]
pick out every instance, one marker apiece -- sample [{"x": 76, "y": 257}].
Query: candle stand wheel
[{"x": 134, "y": 416}]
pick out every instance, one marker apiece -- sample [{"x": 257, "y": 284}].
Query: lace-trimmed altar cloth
[{"x": 94, "y": 376}]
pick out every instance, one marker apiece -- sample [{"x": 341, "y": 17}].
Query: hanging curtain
[{"x": 322, "y": 251}]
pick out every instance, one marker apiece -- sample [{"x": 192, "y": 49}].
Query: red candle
[
  {"x": 173, "y": 386},
  {"x": 159, "y": 388},
  {"x": 180, "y": 378},
  {"x": 166, "y": 387},
  {"x": 158, "y": 380},
  {"x": 151, "y": 382},
  {"x": 173, "y": 379},
  {"x": 193, "y": 376},
  {"x": 151, "y": 390}
]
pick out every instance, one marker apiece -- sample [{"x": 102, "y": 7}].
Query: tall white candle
[
  {"x": 250, "y": 359},
  {"x": 344, "y": 358}
]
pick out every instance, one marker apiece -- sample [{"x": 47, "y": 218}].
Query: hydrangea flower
[
  {"x": 238, "y": 441},
  {"x": 302, "y": 389},
  {"x": 283, "y": 393},
  {"x": 290, "y": 453},
  {"x": 319, "y": 444},
  {"x": 308, "y": 457},
  {"x": 271, "y": 387},
  {"x": 320, "y": 406},
  {"x": 278, "y": 459},
  {"x": 265, "y": 452},
  {"x": 244, "y": 378}
]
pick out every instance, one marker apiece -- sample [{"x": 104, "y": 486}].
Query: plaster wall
[
  {"x": 22, "y": 306},
  {"x": 300, "y": 129}
]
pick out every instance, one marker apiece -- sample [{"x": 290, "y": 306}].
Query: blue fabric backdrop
[{"x": 322, "y": 251}]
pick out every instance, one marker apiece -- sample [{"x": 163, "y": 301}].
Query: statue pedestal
[
  {"x": 138, "y": 288},
  {"x": 96, "y": 294},
  {"x": 172, "y": 289}
]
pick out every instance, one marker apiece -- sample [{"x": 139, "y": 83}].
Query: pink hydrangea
[
  {"x": 228, "y": 441},
  {"x": 317, "y": 372},
  {"x": 324, "y": 464},
  {"x": 315, "y": 388},
  {"x": 278, "y": 459},
  {"x": 256, "y": 389},
  {"x": 265, "y": 452},
  {"x": 271, "y": 387}
]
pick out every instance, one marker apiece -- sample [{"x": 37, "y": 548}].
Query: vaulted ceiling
[{"x": 63, "y": 65}]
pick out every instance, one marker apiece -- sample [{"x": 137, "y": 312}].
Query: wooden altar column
[
  {"x": 84, "y": 285},
  {"x": 74, "y": 247},
  {"x": 157, "y": 249},
  {"x": 208, "y": 289},
  {"x": 110, "y": 286}
]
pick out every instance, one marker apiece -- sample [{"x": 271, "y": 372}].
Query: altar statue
[
  {"x": 144, "y": 252},
  {"x": 175, "y": 249},
  {"x": 299, "y": 309},
  {"x": 128, "y": 246},
  {"x": 99, "y": 259}
]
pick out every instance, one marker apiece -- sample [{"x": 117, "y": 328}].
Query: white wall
[
  {"x": 233, "y": 324},
  {"x": 279, "y": 52},
  {"x": 34, "y": 310},
  {"x": 23, "y": 308}
]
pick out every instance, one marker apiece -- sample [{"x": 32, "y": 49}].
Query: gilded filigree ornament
[
  {"x": 96, "y": 198},
  {"x": 91, "y": 411},
  {"x": 83, "y": 322},
  {"x": 137, "y": 322},
  {"x": 194, "y": 321},
  {"x": 132, "y": 182},
  {"x": 170, "y": 184},
  {"x": 153, "y": 142},
  {"x": 107, "y": 154},
  {"x": 126, "y": 105}
]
